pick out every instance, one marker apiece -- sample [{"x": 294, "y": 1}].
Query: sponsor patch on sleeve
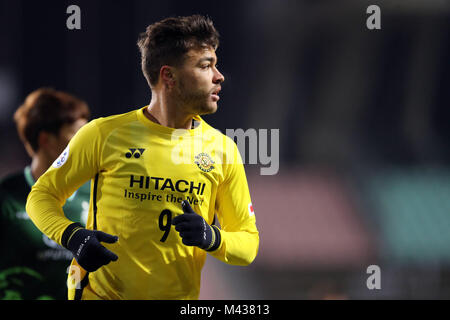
[
  {"x": 59, "y": 162},
  {"x": 250, "y": 209}
]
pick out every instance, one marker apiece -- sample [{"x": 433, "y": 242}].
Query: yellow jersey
[{"x": 140, "y": 173}]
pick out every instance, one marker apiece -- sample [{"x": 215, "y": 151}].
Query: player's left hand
[{"x": 194, "y": 230}]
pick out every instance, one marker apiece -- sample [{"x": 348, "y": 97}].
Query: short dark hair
[
  {"x": 46, "y": 109},
  {"x": 167, "y": 41}
]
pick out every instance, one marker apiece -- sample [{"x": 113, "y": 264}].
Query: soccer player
[
  {"x": 31, "y": 265},
  {"x": 160, "y": 176}
]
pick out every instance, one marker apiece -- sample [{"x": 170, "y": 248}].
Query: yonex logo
[{"x": 136, "y": 152}]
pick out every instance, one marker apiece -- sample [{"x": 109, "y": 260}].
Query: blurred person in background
[{"x": 32, "y": 266}]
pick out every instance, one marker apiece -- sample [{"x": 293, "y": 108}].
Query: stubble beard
[{"x": 197, "y": 102}]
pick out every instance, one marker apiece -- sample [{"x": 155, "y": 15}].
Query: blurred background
[{"x": 364, "y": 175}]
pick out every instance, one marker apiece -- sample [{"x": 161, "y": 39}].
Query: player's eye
[{"x": 205, "y": 66}]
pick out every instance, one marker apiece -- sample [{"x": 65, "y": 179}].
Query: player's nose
[{"x": 218, "y": 77}]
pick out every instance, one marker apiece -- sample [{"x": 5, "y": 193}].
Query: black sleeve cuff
[
  {"x": 218, "y": 239},
  {"x": 68, "y": 232}
]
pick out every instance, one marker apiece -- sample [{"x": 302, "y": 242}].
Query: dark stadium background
[{"x": 364, "y": 176}]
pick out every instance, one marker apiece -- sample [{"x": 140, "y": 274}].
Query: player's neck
[{"x": 166, "y": 114}]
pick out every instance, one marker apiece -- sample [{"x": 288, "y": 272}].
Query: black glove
[
  {"x": 194, "y": 230},
  {"x": 86, "y": 248}
]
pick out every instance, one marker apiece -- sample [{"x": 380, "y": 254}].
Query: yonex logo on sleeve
[
  {"x": 62, "y": 158},
  {"x": 136, "y": 152}
]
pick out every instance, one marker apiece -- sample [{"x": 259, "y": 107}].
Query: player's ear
[{"x": 167, "y": 76}]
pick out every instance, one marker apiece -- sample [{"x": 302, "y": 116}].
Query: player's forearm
[
  {"x": 46, "y": 212},
  {"x": 237, "y": 248}
]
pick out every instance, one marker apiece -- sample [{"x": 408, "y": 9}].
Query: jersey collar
[{"x": 197, "y": 125}]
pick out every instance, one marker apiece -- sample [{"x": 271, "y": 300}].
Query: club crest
[{"x": 204, "y": 162}]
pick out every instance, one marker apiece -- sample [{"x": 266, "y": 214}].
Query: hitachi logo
[{"x": 146, "y": 182}]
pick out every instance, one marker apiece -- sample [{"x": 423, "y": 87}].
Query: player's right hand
[
  {"x": 194, "y": 230},
  {"x": 87, "y": 250}
]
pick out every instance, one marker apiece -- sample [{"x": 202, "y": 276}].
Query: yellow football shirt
[{"x": 140, "y": 172}]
